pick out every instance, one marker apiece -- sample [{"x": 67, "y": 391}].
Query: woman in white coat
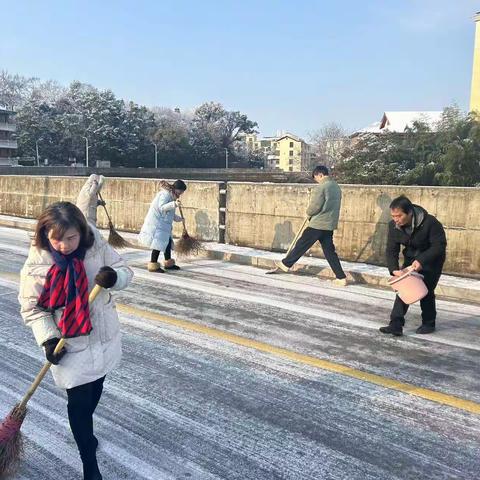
[
  {"x": 87, "y": 200},
  {"x": 156, "y": 232},
  {"x": 67, "y": 257}
]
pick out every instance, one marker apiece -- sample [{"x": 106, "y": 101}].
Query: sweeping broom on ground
[
  {"x": 114, "y": 238},
  {"x": 187, "y": 245},
  {"x": 11, "y": 442}
]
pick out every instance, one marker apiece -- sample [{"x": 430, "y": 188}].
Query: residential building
[
  {"x": 286, "y": 151},
  {"x": 8, "y": 144},
  {"x": 398, "y": 122},
  {"x": 294, "y": 154},
  {"x": 475, "y": 91}
]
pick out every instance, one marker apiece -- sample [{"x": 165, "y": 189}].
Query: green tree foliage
[
  {"x": 60, "y": 121},
  {"x": 172, "y": 137},
  {"x": 448, "y": 154},
  {"x": 215, "y": 132}
]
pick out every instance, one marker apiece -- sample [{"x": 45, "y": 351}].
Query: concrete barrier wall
[
  {"x": 268, "y": 216},
  {"x": 127, "y": 201}
]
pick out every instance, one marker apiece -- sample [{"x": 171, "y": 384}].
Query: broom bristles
[
  {"x": 115, "y": 239},
  {"x": 188, "y": 246},
  {"x": 11, "y": 441}
]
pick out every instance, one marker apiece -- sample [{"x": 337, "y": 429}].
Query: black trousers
[
  {"x": 427, "y": 304},
  {"x": 167, "y": 254},
  {"x": 82, "y": 402},
  {"x": 306, "y": 241}
]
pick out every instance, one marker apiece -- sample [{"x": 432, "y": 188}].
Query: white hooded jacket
[{"x": 89, "y": 357}]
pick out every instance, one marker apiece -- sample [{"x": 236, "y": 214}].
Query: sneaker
[
  {"x": 395, "y": 331},
  {"x": 340, "y": 282},
  {"x": 282, "y": 266},
  {"x": 422, "y": 329}
]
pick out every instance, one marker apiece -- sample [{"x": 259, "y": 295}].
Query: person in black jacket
[{"x": 424, "y": 242}]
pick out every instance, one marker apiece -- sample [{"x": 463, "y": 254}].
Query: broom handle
[
  {"x": 297, "y": 236},
  {"x": 183, "y": 218},
  {"x": 93, "y": 294},
  {"x": 105, "y": 208}
]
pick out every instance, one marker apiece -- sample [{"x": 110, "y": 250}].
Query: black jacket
[{"x": 426, "y": 243}]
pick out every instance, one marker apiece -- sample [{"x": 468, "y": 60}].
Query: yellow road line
[{"x": 425, "y": 393}]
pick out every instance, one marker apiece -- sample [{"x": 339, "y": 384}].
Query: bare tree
[
  {"x": 48, "y": 92},
  {"x": 328, "y": 144},
  {"x": 15, "y": 89}
]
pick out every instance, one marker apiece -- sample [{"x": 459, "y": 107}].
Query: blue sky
[{"x": 288, "y": 65}]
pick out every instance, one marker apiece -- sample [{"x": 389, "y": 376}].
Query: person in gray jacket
[{"x": 323, "y": 213}]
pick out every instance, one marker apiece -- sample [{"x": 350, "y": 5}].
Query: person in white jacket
[
  {"x": 68, "y": 256},
  {"x": 87, "y": 200},
  {"x": 156, "y": 232}
]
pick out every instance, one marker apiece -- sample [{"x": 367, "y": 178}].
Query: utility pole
[
  {"x": 226, "y": 158},
  {"x": 38, "y": 156},
  {"x": 86, "y": 151},
  {"x": 156, "y": 155}
]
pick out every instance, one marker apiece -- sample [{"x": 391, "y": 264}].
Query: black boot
[
  {"x": 173, "y": 267},
  {"x": 393, "y": 330},
  {"x": 422, "y": 329},
  {"x": 90, "y": 469}
]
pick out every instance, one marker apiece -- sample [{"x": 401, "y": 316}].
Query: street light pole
[
  {"x": 86, "y": 151},
  {"x": 156, "y": 155},
  {"x": 38, "y": 156},
  {"x": 226, "y": 158}
]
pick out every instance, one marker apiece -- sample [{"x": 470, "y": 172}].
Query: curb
[{"x": 449, "y": 287}]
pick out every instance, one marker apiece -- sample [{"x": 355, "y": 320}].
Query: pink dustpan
[{"x": 410, "y": 287}]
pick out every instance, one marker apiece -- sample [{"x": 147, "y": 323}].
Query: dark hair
[
  {"x": 402, "y": 203},
  {"x": 320, "y": 169},
  {"x": 58, "y": 218},
  {"x": 179, "y": 185}
]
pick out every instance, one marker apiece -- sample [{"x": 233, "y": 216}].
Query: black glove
[
  {"x": 101, "y": 203},
  {"x": 106, "y": 277},
  {"x": 49, "y": 346}
]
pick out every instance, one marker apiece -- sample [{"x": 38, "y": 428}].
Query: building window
[
  {"x": 291, "y": 153},
  {"x": 291, "y": 168},
  {"x": 291, "y": 144}
]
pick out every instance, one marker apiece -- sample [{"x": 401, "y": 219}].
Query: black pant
[
  {"x": 306, "y": 241},
  {"x": 427, "y": 304},
  {"x": 167, "y": 254},
  {"x": 82, "y": 402}
]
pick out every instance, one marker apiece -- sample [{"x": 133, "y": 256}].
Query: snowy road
[{"x": 232, "y": 374}]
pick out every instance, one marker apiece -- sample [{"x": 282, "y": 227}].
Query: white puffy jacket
[
  {"x": 157, "y": 227},
  {"x": 88, "y": 357},
  {"x": 87, "y": 198}
]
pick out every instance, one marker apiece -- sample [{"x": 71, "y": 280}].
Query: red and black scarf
[{"x": 66, "y": 286}]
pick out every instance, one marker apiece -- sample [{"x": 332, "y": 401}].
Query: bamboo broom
[
  {"x": 187, "y": 245},
  {"x": 114, "y": 238}
]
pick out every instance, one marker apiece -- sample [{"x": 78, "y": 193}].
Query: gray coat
[{"x": 324, "y": 207}]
